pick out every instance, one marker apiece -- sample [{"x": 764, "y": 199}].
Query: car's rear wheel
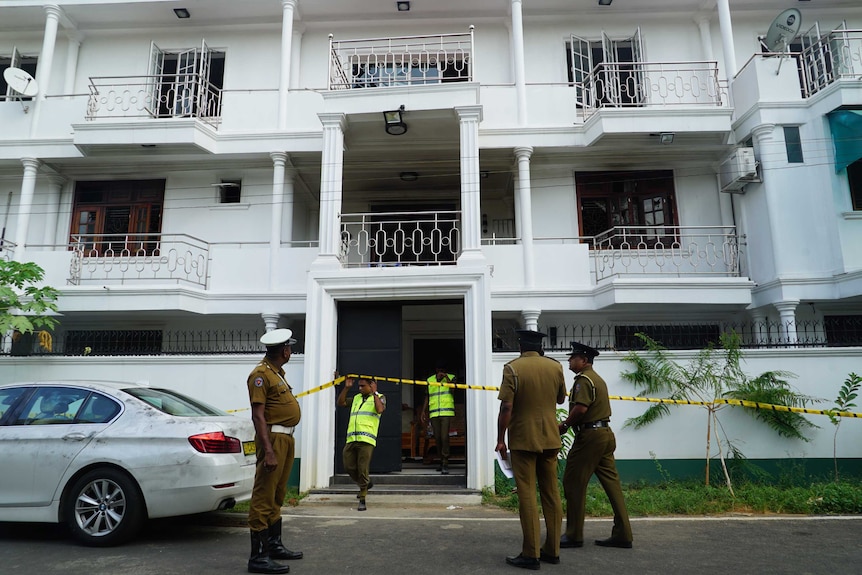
[{"x": 103, "y": 508}]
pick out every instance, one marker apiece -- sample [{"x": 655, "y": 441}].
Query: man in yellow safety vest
[
  {"x": 365, "y": 412},
  {"x": 440, "y": 408}
]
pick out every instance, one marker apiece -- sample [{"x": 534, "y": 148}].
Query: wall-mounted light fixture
[
  {"x": 605, "y": 2},
  {"x": 182, "y": 13},
  {"x": 394, "y": 121},
  {"x": 484, "y": 174},
  {"x": 666, "y": 137},
  {"x": 409, "y": 176},
  {"x": 403, "y": 6}
]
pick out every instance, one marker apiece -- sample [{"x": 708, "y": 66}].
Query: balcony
[
  {"x": 400, "y": 61},
  {"x": 159, "y": 96},
  {"x": 666, "y": 251},
  {"x": 399, "y": 239},
  {"x": 832, "y": 57},
  {"x": 651, "y": 84},
  {"x": 126, "y": 258}
]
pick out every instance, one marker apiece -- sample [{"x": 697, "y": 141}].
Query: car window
[
  {"x": 8, "y": 397},
  {"x": 52, "y": 405},
  {"x": 173, "y": 403},
  {"x": 98, "y": 409}
]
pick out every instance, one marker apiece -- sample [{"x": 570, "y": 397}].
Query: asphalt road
[{"x": 433, "y": 540}]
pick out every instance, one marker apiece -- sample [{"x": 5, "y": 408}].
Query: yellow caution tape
[{"x": 742, "y": 403}]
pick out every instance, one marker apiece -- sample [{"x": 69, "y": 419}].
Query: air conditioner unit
[{"x": 739, "y": 169}]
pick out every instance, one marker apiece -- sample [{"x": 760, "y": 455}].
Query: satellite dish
[
  {"x": 782, "y": 30},
  {"x": 21, "y": 81}
]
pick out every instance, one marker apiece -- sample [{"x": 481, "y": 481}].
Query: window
[
  {"x": 16, "y": 60},
  {"x": 843, "y": 330},
  {"x": 114, "y": 342},
  {"x": 668, "y": 336},
  {"x": 118, "y": 217},
  {"x": 230, "y": 191},
  {"x": 605, "y": 72},
  {"x": 640, "y": 203},
  {"x": 369, "y": 72},
  {"x": 52, "y": 405},
  {"x": 854, "y": 177},
  {"x": 186, "y": 83},
  {"x": 793, "y": 145}
]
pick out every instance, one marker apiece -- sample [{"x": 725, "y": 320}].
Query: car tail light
[{"x": 215, "y": 442}]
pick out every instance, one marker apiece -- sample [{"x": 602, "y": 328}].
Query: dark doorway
[{"x": 369, "y": 343}]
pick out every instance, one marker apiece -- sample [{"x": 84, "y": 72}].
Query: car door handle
[{"x": 76, "y": 436}]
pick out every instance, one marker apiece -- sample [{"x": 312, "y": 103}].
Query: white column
[
  {"x": 46, "y": 60},
  {"x": 75, "y": 40},
  {"x": 331, "y": 173},
  {"x": 787, "y": 320},
  {"x": 296, "y": 60},
  {"x": 531, "y": 319},
  {"x": 759, "y": 328},
  {"x": 270, "y": 320},
  {"x": 517, "y": 206},
  {"x": 763, "y": 139},
  {"x": 25, "y": 206},
  {"x": 314, "y": 222},
  {"x": 471, "y": 216},
  {"x": 287, "y": 9},
  {"x": 276, "y": 210},
  {"x": 727, "y": 38},
  {"x": 52, "y": 209},
  {"x": 518, "y": 55},
  {"x": 526, "y": 200}
]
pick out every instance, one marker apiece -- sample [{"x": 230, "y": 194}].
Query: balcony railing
[
  {"x": 156, "y": 96},
  {"x": 666, "y": 250},
  {"x": 834, "y": 56},
  {"x": 7, "y": 250},
  {"x": 124, "y": 258},
  {"x": 400, "y": 239},
  {"x": 400, "y": 61},
  {"x": 653, "y": 84}
]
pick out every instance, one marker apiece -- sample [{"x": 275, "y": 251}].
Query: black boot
[
  {"x": 276, "y": 548},
  {"x": 259, "y": 561}
]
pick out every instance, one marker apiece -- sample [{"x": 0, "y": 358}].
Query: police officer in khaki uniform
[
  {"x": 532, "y": 386},
  {"x": 275, "y": 413},
  {"x": 591, "y": 452}
]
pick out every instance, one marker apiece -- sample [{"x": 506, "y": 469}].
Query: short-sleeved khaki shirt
[
  {"x": 591, "y": 390},
  {"x": 266, "y": 385},
  {"x": 533, "y": 384}
]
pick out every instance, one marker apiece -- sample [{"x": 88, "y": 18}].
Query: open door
[{"x": 369, "y": 343}]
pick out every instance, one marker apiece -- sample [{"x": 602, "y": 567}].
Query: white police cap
[{"x": 277, "y": 337}]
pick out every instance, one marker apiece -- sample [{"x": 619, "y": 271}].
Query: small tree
[
  {"x": 23, "y": 306},
  {"x": 844, "y": 402},
  {"x": 712, "y": 375}
]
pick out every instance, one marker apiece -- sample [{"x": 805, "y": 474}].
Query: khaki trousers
[
  {"x": 357, "y": 463},
  {"x": 593, "y": 452},
  {"x": 440, "y": 425},
  {"x": 528, "y": 468},
  {"x": 270, "y": 487}
]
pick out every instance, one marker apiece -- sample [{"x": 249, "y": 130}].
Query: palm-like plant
[{"x": 714, "y": 374}]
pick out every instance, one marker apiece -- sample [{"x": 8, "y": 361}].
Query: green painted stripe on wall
[{"x": 788, "y": 469}]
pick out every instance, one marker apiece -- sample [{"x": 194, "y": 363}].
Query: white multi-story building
[{"x": 402, "y": 181}]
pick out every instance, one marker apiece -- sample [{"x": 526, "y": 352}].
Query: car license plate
[{"x": 248, "y": 448}]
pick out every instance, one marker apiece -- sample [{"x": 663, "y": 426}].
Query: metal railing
[
  {"x": 834, "y": 56},
  {"x": 121, "y": 258},
  {"x": 7, "y": 250},
  {"x": 835, "y": 331},
  {"x": 156, "y": 96},
  {"x": 651, "y": 84},
  {"x": 663, "y": 250},
  {"x": 137, "y": 342},
  {"x": 399, "y": 238},
  {"x": 400, "y": 61}
]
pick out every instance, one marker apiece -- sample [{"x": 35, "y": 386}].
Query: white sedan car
[{"x": 103, "y": 457}]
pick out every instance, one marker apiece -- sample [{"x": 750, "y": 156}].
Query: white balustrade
[
  {"x": 834, "y": 56},
  {"x": 399, "y": 238},
  {"x": 124, "y": 258},
  {"x": 400, "y": 61},
  {"x": 666, "y": 250},
  {"x": 157, "y": 96}
]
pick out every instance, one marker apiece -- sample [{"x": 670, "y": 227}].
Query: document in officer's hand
[{"x": 505, "y": 465}]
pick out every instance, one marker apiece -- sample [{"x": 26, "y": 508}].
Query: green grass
[
  {"x": 694, "y": 498},
  {"x": 291, "y": 499}
]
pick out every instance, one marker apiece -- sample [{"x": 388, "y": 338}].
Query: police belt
[
  {"x": 282, "y": 429},
  {"x": 592, "y": 425}
]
